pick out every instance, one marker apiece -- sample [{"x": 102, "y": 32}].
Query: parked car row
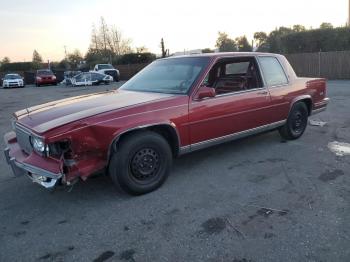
[{"x": 102, "y": 74}]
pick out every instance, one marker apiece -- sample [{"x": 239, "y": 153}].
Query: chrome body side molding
[{"x": 231, "y": 137}]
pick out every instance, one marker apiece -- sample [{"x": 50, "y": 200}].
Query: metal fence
[{"x": 330, "y": 65}]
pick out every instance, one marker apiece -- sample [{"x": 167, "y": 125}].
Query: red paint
[{"x": 92, "y": 122}]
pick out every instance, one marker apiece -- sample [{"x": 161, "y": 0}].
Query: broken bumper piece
[{"x": 36, "y": 174}]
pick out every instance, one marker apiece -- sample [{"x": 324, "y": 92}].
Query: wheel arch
[
  {"x": 166, "y": 130},
  {"x": 307, "y": 99}
]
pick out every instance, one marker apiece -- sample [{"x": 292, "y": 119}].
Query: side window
[
  {"x": 233, "y": 75},
  {"x": 273, "y": 71}
]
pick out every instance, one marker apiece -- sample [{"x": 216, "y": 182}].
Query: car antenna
[{"x": 28, "y": 112}]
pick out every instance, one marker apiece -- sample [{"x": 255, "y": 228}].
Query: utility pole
[
  {"x": 163, "y": 48},
  {"x": 65, "y": 52},
  {"x": 348, "y": 14},
  {"x": 165, "y": 52}
]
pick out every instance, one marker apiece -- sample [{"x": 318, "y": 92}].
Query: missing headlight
[{"x": 59, "y": 148}]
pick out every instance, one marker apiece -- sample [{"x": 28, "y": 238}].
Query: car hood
[{"x": 45, "y": 117}]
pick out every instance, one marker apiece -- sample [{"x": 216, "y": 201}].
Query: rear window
[
  {"x": 100, "y": 67},
  {"x": 237, "y": 68},
  {"x": 273, "y": 71}
]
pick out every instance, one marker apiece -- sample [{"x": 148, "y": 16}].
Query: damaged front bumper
[{"x": 38, "y": 175}]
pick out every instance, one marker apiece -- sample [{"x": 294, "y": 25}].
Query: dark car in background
[
  {"x": 12, "y": 80},
  {"x": 108, "y": 69},
  {"x": 45, "y": 77}
]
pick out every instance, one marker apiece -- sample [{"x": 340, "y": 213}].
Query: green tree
[
  {"x": 243, "y": 44},
  {"x": 74, "y": 59},
  {"x": 274, "y": 39},
  {"x": 225, "y": 44},
  {"x": 141, "y": 49},
  {"x": 326, "y": 26},
  {"x": 37, "y": 60},
  {"x": 260, "y": 38},
  {"x": 299, "y": 28},
  {"x": 5, "y": 60},
  {"x": 207, "y": 50}
]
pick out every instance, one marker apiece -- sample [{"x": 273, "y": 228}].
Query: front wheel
[
  {"x": 141, "y": 163},
  {"x": 296, "y": 122}
]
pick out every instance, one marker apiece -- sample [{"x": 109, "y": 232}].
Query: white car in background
[
  {"x": 108, "y": 69},
  {"x": 12, "y": 80}
]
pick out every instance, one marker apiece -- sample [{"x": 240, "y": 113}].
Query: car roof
[
  {"x": 224, "y": 54},
  {"x": 12, "y": 74}
]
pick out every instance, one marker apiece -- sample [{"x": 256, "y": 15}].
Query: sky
[{"x": 48, "y": 26}]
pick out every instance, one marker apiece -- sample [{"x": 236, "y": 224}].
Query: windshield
[
  {"x": 44, "y": 72},
  {"x": 172, "y": 76},
  {"x": 105, "y": 67},
  {"x": 8, "y": 77}
]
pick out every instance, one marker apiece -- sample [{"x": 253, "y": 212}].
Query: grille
[{"x": 23, "y": 139}]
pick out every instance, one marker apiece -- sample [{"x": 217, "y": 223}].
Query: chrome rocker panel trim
[{"x": 231, "y": 137}]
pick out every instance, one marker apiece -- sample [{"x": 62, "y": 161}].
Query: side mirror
[{"x": 205, "y": 92}]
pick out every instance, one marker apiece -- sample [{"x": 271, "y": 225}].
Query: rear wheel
[
  {"x": 141, "y": 163},
  {"x": 296, "y": 122}
]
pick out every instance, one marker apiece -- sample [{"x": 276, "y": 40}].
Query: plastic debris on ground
[{"x": 340, "y": 149}]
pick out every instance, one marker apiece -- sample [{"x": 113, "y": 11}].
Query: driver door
[{"x": 246, "y": 107}]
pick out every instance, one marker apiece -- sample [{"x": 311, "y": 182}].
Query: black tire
[
  {"x": 296, "y": 123},
  {"x": 141, "y": 164},
  {"x": 37, "y": 84}
]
